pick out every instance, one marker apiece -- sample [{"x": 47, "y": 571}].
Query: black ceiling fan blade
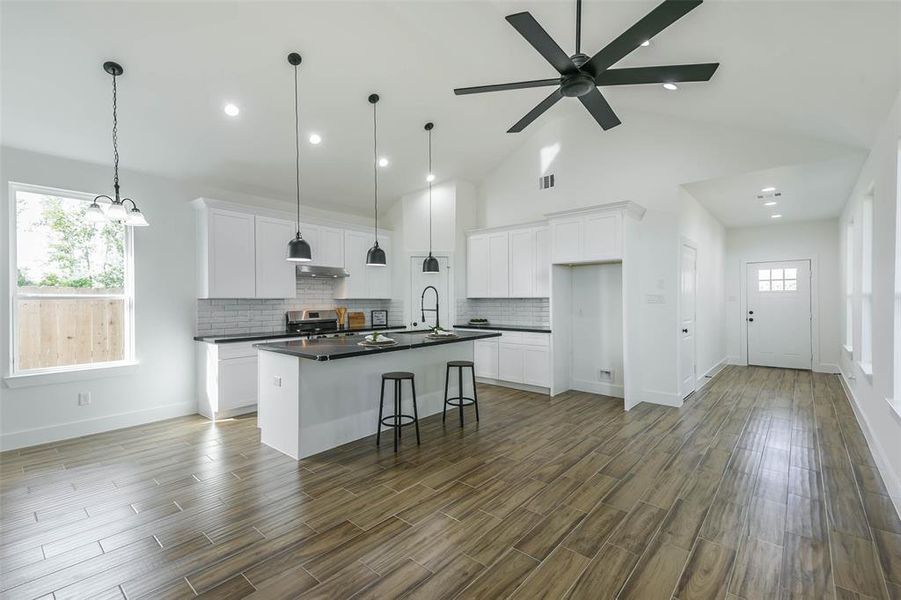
[
  {"x": 650, "y": 25},
  {"x": 536, "y": 112},
  {"x": 502, "y": 87},
  {"x": 600, "y": 109},
  {"x": 661, "y": 74},
  {"x": 535, "y": 34}
]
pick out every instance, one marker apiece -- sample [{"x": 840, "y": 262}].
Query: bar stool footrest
[
  {"x": 460, "y": 401},
  {"x": 397, "y": 420}
]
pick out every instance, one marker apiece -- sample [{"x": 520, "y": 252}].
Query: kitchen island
[{"x": 316, "y": 394}]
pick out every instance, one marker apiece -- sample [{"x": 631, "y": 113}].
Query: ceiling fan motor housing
[{"x": 576, "y": 84}]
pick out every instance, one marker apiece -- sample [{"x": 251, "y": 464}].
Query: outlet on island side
[{"x": 84, "y": 398}]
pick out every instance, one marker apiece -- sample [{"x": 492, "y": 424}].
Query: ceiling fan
[{"x": 580, "y": 76}]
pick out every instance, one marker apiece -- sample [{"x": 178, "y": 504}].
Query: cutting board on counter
[{"x": 356, "y": 320}]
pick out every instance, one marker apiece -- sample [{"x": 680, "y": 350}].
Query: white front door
[
  {"x": 418, "y": 284},
  {"x": 778, "y": 314},
  {"x": 687, "y": 293}
]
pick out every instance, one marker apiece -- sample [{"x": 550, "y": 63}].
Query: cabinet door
[
  {"x": 509, "y": 362},
  {"x": 566, "y": 238},
  {"x": 355, "y": 246},
  {"x": 541, "y": 287},
  {"x": 237, "y": 383},
  {"x": 311, "y": 235},
  {"x": 498, "y": 265},
  {"x": 477, "y": 271},
  {"x": 331, "y": 247},
  {"x": 522, "y": 263},
  {"x": 485, "y": 358},
  {"x": 231, "y": 254},
  {"x": 601, "y": 237},
  {"x": 536, "y": 366},
  {"x": 275, "y": 276},
  {"x": 378, "y": 279}
]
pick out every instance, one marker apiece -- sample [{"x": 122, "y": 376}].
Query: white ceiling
[
  {"x": 807, "y": 192},
  {"x": 821, "y": 69}
]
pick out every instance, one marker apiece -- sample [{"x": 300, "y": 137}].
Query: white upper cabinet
[
  {"x": 508, "y": 264},
  {"x": 275, "y": 276},
  {"x": 226, "y": 256},
  {"x": 362, "y": 281},
  {"x": 590, "y": 235},
  {"x": 326, "y": 244}
]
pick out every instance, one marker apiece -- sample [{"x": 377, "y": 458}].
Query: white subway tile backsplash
[{"x": 534, "y": 312}]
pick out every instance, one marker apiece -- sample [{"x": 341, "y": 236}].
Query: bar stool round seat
[
  {"x": 460, "y": 400},
  {"x": 398, "y": 420}
]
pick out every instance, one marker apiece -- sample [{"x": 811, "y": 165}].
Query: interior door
[
  {"x": 419, "y": 282},
  {"x": 687, "y": 296},
  {"x": 778, "y": 317}
]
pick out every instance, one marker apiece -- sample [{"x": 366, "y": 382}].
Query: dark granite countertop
[
  {"x": 495, "y": 327},
  {"x": 251, "y": 337},
  {"x": 323, "y": 349}
]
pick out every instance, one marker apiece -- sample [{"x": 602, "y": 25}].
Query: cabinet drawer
[
  {"x": 535, "y": 339},
  {"x": 511, "y": 337},
  {"x": 236, "y": 350}
]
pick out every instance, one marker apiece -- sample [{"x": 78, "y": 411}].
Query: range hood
[{"x": 314, "y": 271}]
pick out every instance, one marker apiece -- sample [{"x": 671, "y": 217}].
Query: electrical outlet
[
  {"x": 605, "y": 374},
  {"x": 277, "y": 381},
  {"x": 84, "y": 398}
]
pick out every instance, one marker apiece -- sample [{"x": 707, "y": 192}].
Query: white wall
[
  {"x": 814, "y": 240},
  {"x": 162, "y": 385},
  {"x": 880, "y": 423},
  {"x": 597, "y": 327},
  {"x": 646, "y": 160}
]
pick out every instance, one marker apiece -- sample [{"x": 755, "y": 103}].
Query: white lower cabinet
[
  {"x": 515, "y": 357},
  {"x": 536, "y": 366},
  {"x": 509, "y": 362},
  {"x": 485, "y": 358}
]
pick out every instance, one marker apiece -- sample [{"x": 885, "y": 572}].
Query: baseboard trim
[
  {"x": 516, "y": 386},
  {"x": 55, "y": 433},
  {"x": 892, "y": 484},
  {"x": 662, "y": 398},
  {"x": 705, "y": 378},
  {"x": 736, "y": 360},
  {"x": 598, "y": 387},
  {"x": 827, "y": 368}
]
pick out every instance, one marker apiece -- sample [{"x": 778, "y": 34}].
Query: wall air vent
[{"x": 546, "y": 182}]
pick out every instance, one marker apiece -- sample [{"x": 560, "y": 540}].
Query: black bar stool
[
  {"x": 460, "y": 400},
  {"x": 396, "y": 420}
]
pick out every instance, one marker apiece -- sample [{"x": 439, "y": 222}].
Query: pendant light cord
[
  {"x": 430, "y": 192},
  {"x": 115, "y": 140},
  {"x": 578, "y": 26},
  {"x": 297, "y": 150},
  {"x": 375, "y": 169}
]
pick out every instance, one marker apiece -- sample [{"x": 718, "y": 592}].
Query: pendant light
[
  {"x": 298, "y": 248},
  {"x": 375, "y": 257},
  {"x": 430, "y": 264},
  {"x": 117, "y": 211}
]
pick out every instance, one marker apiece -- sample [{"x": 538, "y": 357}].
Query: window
[
  {"x": 849, "y": 286},
  {"x": 866, "y": 285},
  {"x": 72, "y": 298},
  {"x": 777, "y": 280},
  {"x": 896, "y": 392}
]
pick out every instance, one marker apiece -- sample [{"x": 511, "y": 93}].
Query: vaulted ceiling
[{"x": 821, "y": 69}]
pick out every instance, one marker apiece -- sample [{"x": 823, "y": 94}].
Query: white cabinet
[
  {"x": 541, "y": 288},
  {"x": 485, "y": 358},
  {"x": 477, "y": 271},
  {"x": 586, "y": 238},
  {"x": 364, "y": 281},
  {"x": 326, "y": 245},
  {"x": 509, "y": 362},
  {"x": 536, "y": 366},
  {"x": 522, "y": 263},
  {"x": 227, "y": 255},
  {"x": 274, "y": 276},
  {"x": 237, "y": 384},
  {"x": 227, "y": 379},
  {"x": 498, "y": 265}
]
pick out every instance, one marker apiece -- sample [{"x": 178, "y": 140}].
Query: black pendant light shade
[
  {"x": 430, "y": 264},
  {"x": 375, "y": 257},
  {"x": 298, "y": 248}
]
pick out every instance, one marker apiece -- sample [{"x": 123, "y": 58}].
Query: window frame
[
  {"x": 894, "y": 400},
  {"x": 867, "y": 244},
  {"x": 83, "y": 369},
  {"x": 849, "y": 287}
]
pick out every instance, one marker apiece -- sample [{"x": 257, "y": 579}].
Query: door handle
[
  {"x": 750, "y": 312},
  {"x": 751, "y": 319},
  {"x": 684, "y": 331}
]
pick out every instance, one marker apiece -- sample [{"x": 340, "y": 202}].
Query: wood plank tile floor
[{"x": 761, "y": 486}]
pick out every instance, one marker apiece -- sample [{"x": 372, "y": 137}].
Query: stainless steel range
[{"x": 312, "y": 322}]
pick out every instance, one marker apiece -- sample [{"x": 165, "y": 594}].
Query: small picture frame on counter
[{"x": 379, "y": 318}]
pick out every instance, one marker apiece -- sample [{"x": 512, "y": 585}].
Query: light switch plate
[{"x": 277, "y": 381}]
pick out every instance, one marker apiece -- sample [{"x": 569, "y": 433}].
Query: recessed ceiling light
[
  {"x": 768, "y": 189},
  {"x": 315, "y": 138},
  {"x": 775, "y": 216},
  {"x": 646, "y": 43},
  {"x": 430, "y": 177},
  {"x": 770, "y": 203},
  {"x": 231, "y": 110},
  {"x": 383, "y": 162},
  {"x": 670, "y": 86}
]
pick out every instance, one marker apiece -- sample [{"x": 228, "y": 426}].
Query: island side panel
[
  {"x": 278, "y": 416},
  {"x": 339, "y": 399}
]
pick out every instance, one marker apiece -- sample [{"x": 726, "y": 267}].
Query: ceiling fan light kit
[{"x": 580, "y": 76}]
